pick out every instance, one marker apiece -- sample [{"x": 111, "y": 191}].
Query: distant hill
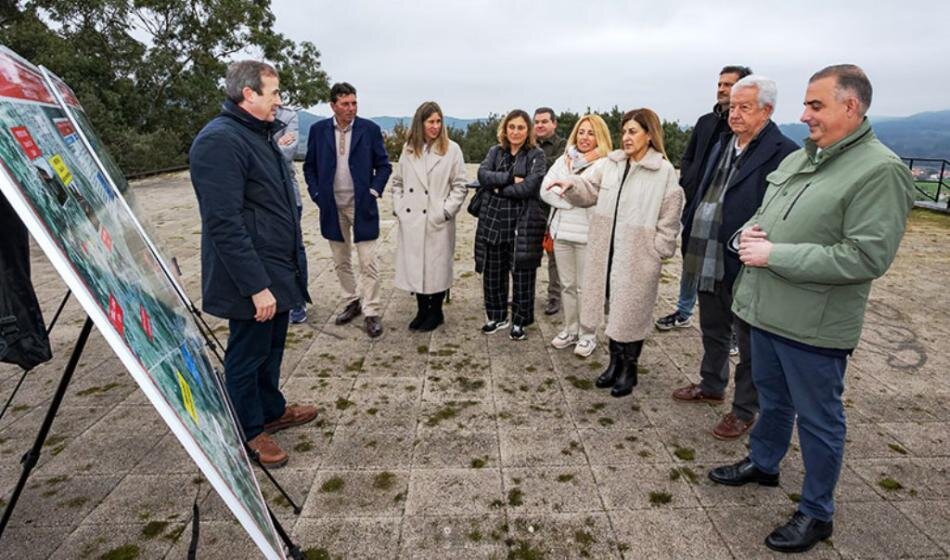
[
  {"x": 306, "y": 120},
  {"x": 924, "y": 135}
]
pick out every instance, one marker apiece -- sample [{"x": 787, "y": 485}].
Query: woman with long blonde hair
[
  {"x": 587, "y": 145},
  {"x": 428, "y": 186}
]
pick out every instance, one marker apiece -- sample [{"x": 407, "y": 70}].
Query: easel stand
[{"x": 32, "y": 457}]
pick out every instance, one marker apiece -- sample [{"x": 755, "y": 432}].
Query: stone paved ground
[{"x": 454, "y": 445}]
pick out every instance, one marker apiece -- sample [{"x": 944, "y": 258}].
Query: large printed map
[{"x": 75, "y": 211}]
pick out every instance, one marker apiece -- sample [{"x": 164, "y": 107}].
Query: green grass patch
[
  {"x": 124, "y": 552},
  {"x": 890, "y": 484},
  {"x": 660, "y": 498},
  {"x": 579, "y": 383},
  {"x": 153, "y": 529},
  {"x": 685, "y": 453},
  {"x": 334, "y": 484},
  {"x": 384, "y": 480},
  {"x": 515, "y": 497}
]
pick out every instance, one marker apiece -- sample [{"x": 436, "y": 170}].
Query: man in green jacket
[{"x": 830, "y": 222}]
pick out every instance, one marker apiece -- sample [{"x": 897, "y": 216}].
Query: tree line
[
  {"x": 481, "y": 135},
  {"x": 150, "y": 73}
]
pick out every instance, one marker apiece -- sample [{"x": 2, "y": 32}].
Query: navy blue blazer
[
  {"x": 745, "y": 190},
  {"x": 250, "y": 231},
  {"x": 369, "y": 167}
]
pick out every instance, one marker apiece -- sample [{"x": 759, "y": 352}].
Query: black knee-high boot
[
  {"x": 434, "y": 316},
  {"x": 628, "y": 374},
  {"x": 422, "y": 302},
  {"x": 609, "y": 376}
]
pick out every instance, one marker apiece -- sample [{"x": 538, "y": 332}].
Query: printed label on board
[
  {"x": 60, "y": 167},
  {"x": 146, "y": 322},
  {"x": 186, "y": 397},
  {"x": 116, "y": 315},
  {"x": 25, "y": 139}
]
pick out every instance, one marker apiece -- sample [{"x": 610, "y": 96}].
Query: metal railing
[{"x": 934, "y": 189}]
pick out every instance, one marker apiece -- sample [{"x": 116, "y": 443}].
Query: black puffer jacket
[{"x": 511, "y": 212}]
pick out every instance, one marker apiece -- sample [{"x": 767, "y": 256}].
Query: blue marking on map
[
  {"x": 105, "y": 185},
  {"x": 190, "y": 364}
]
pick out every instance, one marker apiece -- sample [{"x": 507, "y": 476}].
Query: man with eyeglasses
[
  {"x": 728, "y": 195},
  {"x": 346, "y": 169}
]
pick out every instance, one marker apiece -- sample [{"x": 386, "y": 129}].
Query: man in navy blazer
[
  {"x": 346, "y": 169},
  {"x": 731, "y": 190}
]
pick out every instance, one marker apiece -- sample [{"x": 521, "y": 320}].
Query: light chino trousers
[
  {"x": 367, "y": 290},
  {"x": 570, "y": 261}
]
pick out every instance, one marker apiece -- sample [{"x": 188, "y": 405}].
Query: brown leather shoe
[
  {"x": 692, "y": 393},
  {"x": 374, "y": 327},
  {"x": 350, "y": 312},
  {"x": 731, "y": 427},
  {"x": 268, "y": 452},
  {"x": 294, "y": 415}
]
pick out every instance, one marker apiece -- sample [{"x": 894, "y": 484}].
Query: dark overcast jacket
[{"x": 250, "y": 232}]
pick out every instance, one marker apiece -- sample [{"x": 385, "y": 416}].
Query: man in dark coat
[
  {"x": 553, "y": 146},
  {"x": 705, "y": 135},
  {"x": 250, "y": 250},
  {"x": 346, "y": 168},
  {"x": 729, "y": 194}
]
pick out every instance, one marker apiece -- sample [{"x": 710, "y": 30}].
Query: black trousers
[
  {"x": 252, "y": 371},
  {"x": 499, "y": 265},
  {"x": 715, "y": 321}
]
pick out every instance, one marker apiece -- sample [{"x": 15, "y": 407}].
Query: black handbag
[{"x": 475, "y": 205}]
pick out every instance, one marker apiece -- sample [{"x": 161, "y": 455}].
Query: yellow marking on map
[
  {"x": 60, "y": 166},
  {"x": 186, "y": 396}
]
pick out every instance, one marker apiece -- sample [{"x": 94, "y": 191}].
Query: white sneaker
[
  {"x": 563, "y": 340},
  {"x": 585, "y": 347}
]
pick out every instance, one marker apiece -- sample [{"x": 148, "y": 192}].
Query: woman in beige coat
[
  {"x": 635, "y": 224},
  {"x": 428, "y": 186}
]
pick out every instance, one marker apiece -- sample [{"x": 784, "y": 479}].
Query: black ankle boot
[
  {"x": 628, "y": 373},
  {"x": 434, "y": 316},
  {"x": 609, "y": 376},
  {"x": 422, "y": 303}
]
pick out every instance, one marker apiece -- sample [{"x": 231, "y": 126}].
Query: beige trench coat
[
  {"x": 428, "y": 193},
  {"x": 648, "y": 207}
]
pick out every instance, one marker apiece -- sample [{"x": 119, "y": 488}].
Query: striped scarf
[{"x": 703, "y": 260}]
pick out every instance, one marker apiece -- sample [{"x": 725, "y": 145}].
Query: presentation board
[{"x": 58, "y": 177}]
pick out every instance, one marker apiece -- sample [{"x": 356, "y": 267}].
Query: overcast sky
[{"x": 475, "y": 58}]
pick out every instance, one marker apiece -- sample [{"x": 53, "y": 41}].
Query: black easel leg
[
  {"x": 33, "y": 455},
  {"x": 250, "y": 452},
  {"x": 292, "y": 549}
]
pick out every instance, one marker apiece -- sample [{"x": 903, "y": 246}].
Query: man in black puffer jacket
[
  {"x": 705, "y": 135},
  {"x": 251, "y": 264}
]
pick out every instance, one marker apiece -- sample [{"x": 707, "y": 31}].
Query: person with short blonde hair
[
  {"x": 587, "y": 144},
  {"x": 428, "y": 186}
]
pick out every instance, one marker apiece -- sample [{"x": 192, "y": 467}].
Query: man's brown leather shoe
[
  {"x": 374, "y": 327},
  {"x": 731, "y": 427},
  {"x": 692, "y": 393},
  {"x": 294, "y": 415},
  {"x": 268, "y": 452},
  {"x": 349, "y": 313}
]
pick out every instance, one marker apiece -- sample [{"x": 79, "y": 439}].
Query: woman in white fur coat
[
  {"x": 587, "y": 145},
  {"x": 428, "y": 186},
  {"x": 635, "y": 225}
]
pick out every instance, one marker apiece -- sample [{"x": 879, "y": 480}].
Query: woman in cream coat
[
  {"x": 635, "y": 225},
  {"x": 588, "y": 143},
  {"x": 428, "y": 186}
]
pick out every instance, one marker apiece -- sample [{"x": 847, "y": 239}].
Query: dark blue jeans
[
  {"x": 252, "y": 371},
  {"x": 793, "y": 380}
]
